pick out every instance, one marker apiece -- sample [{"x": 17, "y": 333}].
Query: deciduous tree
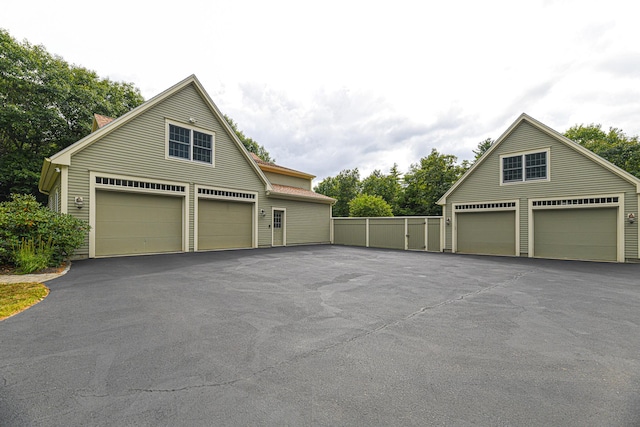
[
  {"x": 427, "y": 181},
  {"x": 343, "y": 187},
  {"x": 249, "y": 143},
  {"x": 47, "y": 104},
  {"x": 614, "y": 145},
  {"x": 388, "y": 187}
]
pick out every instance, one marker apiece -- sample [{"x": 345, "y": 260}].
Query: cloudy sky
[{"x": 331, "y": 85}]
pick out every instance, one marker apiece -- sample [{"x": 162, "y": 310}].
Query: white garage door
[{"x": 134, "y": 223}]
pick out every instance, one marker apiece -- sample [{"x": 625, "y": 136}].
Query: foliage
[
  {"x": 388, "y": 187},
  {"x": 46, "y": 105},
  {"x": 16, "y": 297},
  {"x": 344, "y": 187},
  {"x": 483, "y": 147},
  {"x": 366, "y": 205},
  {"x": 32, "y": 256},
  {"x": 427, "y": 181},
  {"x": 23, "y": 217},
  {"x": 614, "y": 146},
  {"x": 249, "y": 143}
]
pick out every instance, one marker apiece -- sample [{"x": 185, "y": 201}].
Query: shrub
[
  {"x": 23, "y": 218},
  {"x": 31, "y": 256},
  {"x": 367, "y": 205}
]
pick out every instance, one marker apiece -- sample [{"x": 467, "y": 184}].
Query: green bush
[
  {"x": 23, "y": 218},
  {"x": 366, "y": 205},
  {"x": 31, "y": 256}
]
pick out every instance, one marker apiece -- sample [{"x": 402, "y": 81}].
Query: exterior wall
[
  {"x": 138, "y": 149},
  {"x": 291, "y": 181},
  {"x": 305, "y": 222},
  {"x": 571, "y": 174}
]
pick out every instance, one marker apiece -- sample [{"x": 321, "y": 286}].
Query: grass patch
[{"x": 16, "y": 297}]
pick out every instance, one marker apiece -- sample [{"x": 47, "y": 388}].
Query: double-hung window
[
  {"x": 190, "y": 144},
  {"x": 525, "y": 167}
]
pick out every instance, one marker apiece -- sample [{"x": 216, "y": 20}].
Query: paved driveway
[{"x": 329, "y": 336}]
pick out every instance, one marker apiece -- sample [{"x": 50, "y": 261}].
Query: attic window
[
  {"x": 189, "y": 144},
  {"x": 525, "y": 167}
]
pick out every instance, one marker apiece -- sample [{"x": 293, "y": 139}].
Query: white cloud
[{"x": 342, "y": 84}]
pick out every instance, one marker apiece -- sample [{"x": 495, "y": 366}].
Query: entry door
[{"x": 278, "y": 227}]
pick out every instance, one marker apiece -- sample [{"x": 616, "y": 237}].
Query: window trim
[
  {"x": 524, "y": 179},
  {"x": 191, "y": 129}
]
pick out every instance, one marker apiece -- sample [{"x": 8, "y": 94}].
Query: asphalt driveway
[{"x": 326, "y": 335}]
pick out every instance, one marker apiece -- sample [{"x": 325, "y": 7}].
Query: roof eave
[{"x": 287, "y": 196}]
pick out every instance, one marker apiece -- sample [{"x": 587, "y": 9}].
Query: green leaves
[
  {"x": 23, "y": 219},
  {"x": 344, "y": 187},
  {"x": 614, "y": 146},
  {"x": 251, "y": 145},
  {"x": 46, "y": 105},
  {"x": 366, "y": 205}
]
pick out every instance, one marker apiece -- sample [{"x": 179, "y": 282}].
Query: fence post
[
  {"x": 426, "y": 234},
  {"x": 367, "y": 231}
]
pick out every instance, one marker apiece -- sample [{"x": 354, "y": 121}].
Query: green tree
[
  {"x": 366, "y": 205},
  {"x": 427, "y": 181},
  {"x": 343, "y": 187},
  {"x": 46, "y": 105},
  {"x": 614, "y": 145},
  {"x": 249, "y": 143},
  {"x": 388, "y": 187},
  {"x": 483, "y": 147}
]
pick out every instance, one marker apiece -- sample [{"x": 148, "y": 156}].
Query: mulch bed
[{"x": 10, "y": 269}]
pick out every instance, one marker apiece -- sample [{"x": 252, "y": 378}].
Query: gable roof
[
  {"x": 272, "y": 167},
  {"x": 524, "y": 118},
  {"x": 63, "y": 157},
  {"x": 297, "y": 193},
  {"x": 100, "y": 121}
]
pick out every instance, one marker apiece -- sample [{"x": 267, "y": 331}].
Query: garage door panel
[
  {"x": 587, "y": 234},
  {"x": 224, "y": 225},
  {"x": 489, "y": 233},
  {"x": 133, "y": 223}
]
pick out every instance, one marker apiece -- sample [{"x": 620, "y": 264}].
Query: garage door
[
  {"x": 587, "y": 234},
  {"x": 133, "y": 223},
  {"x": 224, "y": 225},
  {"x": 490, "y": 233}
]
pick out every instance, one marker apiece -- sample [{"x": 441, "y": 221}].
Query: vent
[
  {"x": 226, "y": 194},
  {"x": 571, "y": 202},
  {"x": 475, "y": 206},
  {"x": 147, "y": 185}
]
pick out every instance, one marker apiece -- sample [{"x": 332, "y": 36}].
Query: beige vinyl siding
[
  {"x": 138, "y": 149},
  {"x": 571, "y": 174},
  {"x": 305, "y": 222},
  {"x": 291, "y": 181}
]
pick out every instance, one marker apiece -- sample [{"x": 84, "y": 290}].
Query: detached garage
[{"x": 536, "y": 193}]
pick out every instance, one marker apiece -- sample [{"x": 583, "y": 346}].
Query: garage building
[{"x": 536, "y": 193}]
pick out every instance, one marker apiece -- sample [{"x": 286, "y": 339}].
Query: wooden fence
[{"x": 418, "y": 233}]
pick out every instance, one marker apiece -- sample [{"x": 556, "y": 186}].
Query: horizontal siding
[
  {"x": 138, "y": 149},
  {"x": 570, "y": 172},
  {"x": 305, "y": 222},
  {"x": 290, "y": 181}
]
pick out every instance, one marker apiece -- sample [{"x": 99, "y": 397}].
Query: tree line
[
  {"x": 47, "y": 104},
  {"x": 417, "y": 191}
]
